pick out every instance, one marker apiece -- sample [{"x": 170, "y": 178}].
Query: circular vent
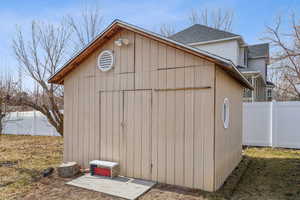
[{"x": 105, "y": 60}]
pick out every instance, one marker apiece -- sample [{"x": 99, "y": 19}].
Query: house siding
[
  {"x": 226, "y": 49},
  {"x": 258, "y": 64}
]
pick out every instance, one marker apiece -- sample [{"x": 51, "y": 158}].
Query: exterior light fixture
[
  {"x": 121, "y": 41},
  {"x": 125, "y": 41},
  {"x": 118, "y": 42}
]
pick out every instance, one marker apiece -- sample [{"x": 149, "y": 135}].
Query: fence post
[
  {"x": 270, "y": 118},
  {"x": 274, "y": 123}
]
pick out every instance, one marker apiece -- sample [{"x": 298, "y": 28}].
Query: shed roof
[
  {"x": 201, "y": 33},
  {"x": 117, "y": 25}
]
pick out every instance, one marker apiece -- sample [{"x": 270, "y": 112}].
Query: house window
[
  {"x": 247, "y": 93},
  {"x": 269, "y": 92},
  {"x": 225, "y": 113}
]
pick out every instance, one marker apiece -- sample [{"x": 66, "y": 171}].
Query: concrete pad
[{"x": 123, "y": 187}]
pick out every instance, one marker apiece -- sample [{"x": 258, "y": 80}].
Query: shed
[{"x": 165, "y": 111}]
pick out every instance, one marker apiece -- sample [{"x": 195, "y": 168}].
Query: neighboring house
[
  {"x": 251, "y": 60},
  {"x": 164, "y": 110}
]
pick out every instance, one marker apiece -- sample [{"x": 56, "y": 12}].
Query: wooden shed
[{"x": 165, "y": 111}]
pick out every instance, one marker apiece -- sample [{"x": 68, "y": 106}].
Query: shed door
[
  {"x": 125, "y": 128},
  {"x": 111, "y": 115},
  {"x": 136, "y": 154}
]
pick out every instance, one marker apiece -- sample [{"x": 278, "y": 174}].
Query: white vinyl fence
[
  {"x": 275, "y": 124},
  {"x": 28, "y": 123}
]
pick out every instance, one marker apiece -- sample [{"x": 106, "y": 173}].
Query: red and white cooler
[{"x": 104, "y": 168}]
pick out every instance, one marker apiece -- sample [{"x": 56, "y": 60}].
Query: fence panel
[
  {"x": 286, "y": 124},
  {"x": 271, "y": 124},
  {"x": 28, "y": 123},
  {"x": 257, "y": 124}
]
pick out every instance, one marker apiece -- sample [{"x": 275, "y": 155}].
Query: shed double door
[{"x": 125, "y": 131}]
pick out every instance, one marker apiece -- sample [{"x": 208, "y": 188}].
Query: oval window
[
  {"x": 225, "y": 114},
  {"x": 105, "y": 60}
]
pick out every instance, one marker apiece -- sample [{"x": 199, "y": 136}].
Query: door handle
[{"x": 123, "y": 124}]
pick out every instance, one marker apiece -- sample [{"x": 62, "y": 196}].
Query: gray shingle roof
[
  {"x": 258, "y": 50},
  {"x": 200, "y": 33}
]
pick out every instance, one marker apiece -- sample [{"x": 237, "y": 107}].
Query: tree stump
[{"x": 68, "y": 170}]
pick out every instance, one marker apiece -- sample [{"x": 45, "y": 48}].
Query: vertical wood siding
[
  {"x": 144, "y": 113},
  {"x": 228, "y": 142}
]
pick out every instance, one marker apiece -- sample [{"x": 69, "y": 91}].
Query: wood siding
[
  {"x": 228, "y": 142},
  {"x": 153, "y": 113}
]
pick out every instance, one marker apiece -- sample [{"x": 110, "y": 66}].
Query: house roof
[
  {"x": 258, "y": 51},
  {"x": 117, "y": 25},
  {"x": 199, "y": 33}
]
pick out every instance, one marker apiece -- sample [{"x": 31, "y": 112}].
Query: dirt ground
[{"x": 264, "y": 173}]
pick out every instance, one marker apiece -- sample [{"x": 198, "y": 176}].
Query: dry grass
[
  {"x": 21, "y": 160},
  {"x": 264, "y": 174},
  {"x": 273, "y": 174}
]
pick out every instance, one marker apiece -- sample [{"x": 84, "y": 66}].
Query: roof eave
[
  {"x": 244, "y": 81},
  {"x": 50, "y": 79},
  {"x": 257, "y": 73}
]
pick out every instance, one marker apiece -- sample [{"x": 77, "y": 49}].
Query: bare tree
[
  {"x": 41, "y": 55},
  {"x": 87, "y": 28},
  {"x": 217, "y": 18},
  {"x": 167, "y": 30},
  {"x": 8, "y": 88},
  {"x": 286, "y": 57}
]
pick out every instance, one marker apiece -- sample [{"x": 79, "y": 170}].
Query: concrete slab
[{"x": 123, "y": 187}]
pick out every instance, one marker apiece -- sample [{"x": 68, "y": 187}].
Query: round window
[
  {"x": 225, "y": 114},
  {"x": 105, "y": 60}
]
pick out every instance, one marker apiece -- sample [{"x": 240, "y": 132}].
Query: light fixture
[
  {"x": 125, "y": 41},
  {"x": 121, "y": 41},
  {"x": 118, "y": 42}
]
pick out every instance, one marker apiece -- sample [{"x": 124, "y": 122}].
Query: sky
[{"x": 250, "y": 18}]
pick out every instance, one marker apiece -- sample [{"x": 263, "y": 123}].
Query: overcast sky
[{"x": 250, "y": 18}]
